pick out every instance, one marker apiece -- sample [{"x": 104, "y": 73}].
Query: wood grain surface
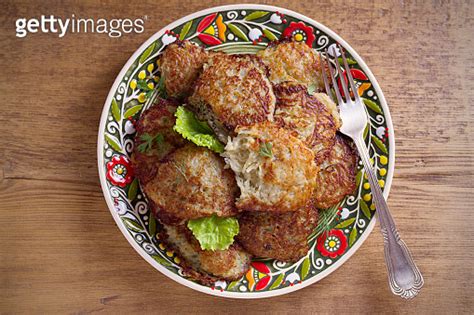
[{"x": 60, "y": 251}]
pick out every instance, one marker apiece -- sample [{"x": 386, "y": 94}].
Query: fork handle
[{"x": 404, "y": 277}]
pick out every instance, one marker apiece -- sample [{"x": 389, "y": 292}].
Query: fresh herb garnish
[
  {"x": 349, "y": 61},
  {"x": 325, "y": 219},
  {"x": 312, "y": 88},
  {"x": 148, "y": 141},
  {"x": 160, "y": 87},
  {"x": 266, "y": 149},
  {"x": 142, "y": 85}
]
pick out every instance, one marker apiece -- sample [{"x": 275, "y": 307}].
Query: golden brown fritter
[
  {"x": 180, "y": 65},
  {"x": 274, "y": 170},
  {"x": 331, "y": 107},
  {"x": 292, "y": 61},
  {"x": 156, "y": 124},
  {"x": 192, "y": 183},
  {"x": 306, "y": 116},
  {"x": 206, "y": 266},
  {"x": 281, "y": 236},
  {"x": 233, "y": 90},
  {"x": 336, "y": 177}
]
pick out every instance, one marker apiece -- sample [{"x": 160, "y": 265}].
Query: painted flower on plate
[
  {"x": 358, "y": 76},
  {"x": 220, "y": 284},
  {"x": 332, "y": 243},
  {"x": 168, "y": 39},
  {"x": 255, "y": 34},
  {"x": 380, "y": 132},
  {"x": 334, "y": 51},
  {"x": 276, "y": 18},
  {"x": 120, "y": 206},
  {"x": 129, "y": 127},
  {"x": 344, "y": 213},
  {"x": 292, "y": 278},
  {"x": 258, "y": 275},
  {"x": 119, "y": 171},
  {"x": 300, "y": 32},
  {"x": 212, "y": 32}
]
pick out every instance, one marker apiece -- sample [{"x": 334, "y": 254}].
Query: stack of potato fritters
[{"x": 283, "y": 160}]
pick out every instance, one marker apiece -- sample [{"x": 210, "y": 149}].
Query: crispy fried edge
[{"x": 199, "y": 276}]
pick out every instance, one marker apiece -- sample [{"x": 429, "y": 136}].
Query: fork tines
[{"x": 334, "y": 70}]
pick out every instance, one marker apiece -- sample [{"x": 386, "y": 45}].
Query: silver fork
[{"x": 404, "y": 276}]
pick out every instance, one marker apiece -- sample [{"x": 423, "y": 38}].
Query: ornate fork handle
[{"x": 404, "y": 276}]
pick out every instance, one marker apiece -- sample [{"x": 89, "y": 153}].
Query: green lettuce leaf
[
  {"x": 196, "y": 131},
  {"x": 214, "y": 233}
]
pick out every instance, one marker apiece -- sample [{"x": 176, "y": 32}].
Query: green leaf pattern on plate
[
  {"x": 277, "y": 282},
  {"x": 185, "y": 30},
  {"x": 238, "y": 32},
  {"x": 372, "y": 105},
  {"x": 115, "y": 110},
  {"x": 132, "y": 111},
  {"x": 365, "y": 209},
  {"x": 147, "y": 53},
  {"x": 345, "y": 223},
  {"x": 269, "y": 34},
  {"x": 152, "y": 226},
  {"x": 256, "y": 15},
  {"x": 353, "y": 235},
  {"x": 133, "y": 189},
  {"x": 305, "y": 268},
  {"x": 380, "y": 144},
  {"x": 133, "y": 225},
  {"x": 112, "y": 141}
]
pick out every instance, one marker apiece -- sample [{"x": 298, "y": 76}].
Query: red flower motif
[
  {"x": 332, "y": 244},
  {"x": 206, "y": 35},
  {"x": 209, "y": 40},
  {"x": 205, "y": 22},
  {"x": 357, "y": 75},
  {"x": 262, "y": 283},
  {"x": 119, "y": 171},
  {"x": 260, "y": 267},
  {"x": 300, "y": 32}
]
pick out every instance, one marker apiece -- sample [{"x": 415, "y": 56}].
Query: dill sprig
[
  {"x": 326, "y": 217},
  {"x": 266, "y": 149},
  {"x": 148, "y": 141},
  {"x": 159, "y": 89}
]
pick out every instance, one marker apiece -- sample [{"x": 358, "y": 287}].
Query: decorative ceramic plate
[{"x": 238, "y": 29}]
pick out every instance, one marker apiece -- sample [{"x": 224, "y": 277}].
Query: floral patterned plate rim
[{"x": 241, "y": 28}]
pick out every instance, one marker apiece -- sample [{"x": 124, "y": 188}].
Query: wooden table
[{"x": 60, "y": 251}]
